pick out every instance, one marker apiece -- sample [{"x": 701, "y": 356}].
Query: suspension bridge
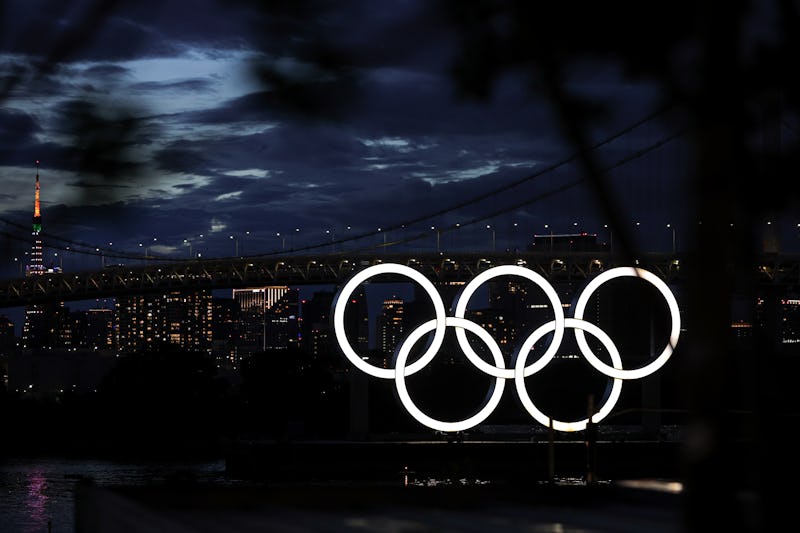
[{"x": 452, "y": 243}]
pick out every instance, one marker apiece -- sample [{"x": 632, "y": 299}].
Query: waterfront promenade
[
  {"x": 431, "y": 485},
  {"x": 414, "y": 485},
  {"x": 561, "y": 507}
]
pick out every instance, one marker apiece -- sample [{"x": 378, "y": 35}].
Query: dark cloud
[
  {"x": 304, "y": 152},
  {"x": 106, "y": 70},
  {"x": 75, "y": 31},
  {"x": 402, "y": 103},
  {"x": 192, "y": 85},
  {"x": 250, "y": 107},
  {"x": 11, "y": 72},
  {"x": 215, "y": 24},
  {"x": 183, "y": 156},
  {"x": 101, "y": 140},
  {"x": 309, "y": 100},
  {"x": 185, "y": 186},
  {"x": 383, "y": 41},
  {"x": 17, "y": 128},
  {"x": 113, "y": 31},
  {"x": 22, "y": 79},
  {"x": 85, "y": 184}
]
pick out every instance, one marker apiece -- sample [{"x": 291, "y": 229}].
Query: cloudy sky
[{"x": 172, "y": 127}]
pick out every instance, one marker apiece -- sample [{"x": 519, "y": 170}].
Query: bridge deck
[{"x": 334, "y": 269}]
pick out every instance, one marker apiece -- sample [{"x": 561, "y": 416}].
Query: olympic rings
[{"x": 498, "y": 371}]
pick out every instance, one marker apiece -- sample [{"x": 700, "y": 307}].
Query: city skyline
[{"x": 34, "y": 263}]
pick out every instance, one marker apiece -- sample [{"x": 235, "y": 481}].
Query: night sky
[{"x": 169, "y": 127}]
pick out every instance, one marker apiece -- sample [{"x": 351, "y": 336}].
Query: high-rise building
[
  {"x": 498, "y": 323},
  {"x": 99, "y": 331},
  {"x": 789, "y": 328},
  {"x": 137, "y": 322},
  {"x": 253, "y": 306},
  {"x": 268, "y": 318},
  {"x": 282, "y": 328},
  {"x": 779, "y": 315},
  {"x": 356, "y": 321},
  {"x": 316, "y": 334},
  {"x": 420, "y": 309},
  {"x": 514, "y": 311},
  {"x": 391, "y": 325},
  {"x": 182, "y": 318},
  {"x": 225, "y": 332}
]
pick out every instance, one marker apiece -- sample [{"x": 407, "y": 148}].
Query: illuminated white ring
[
  {"x": 522, "y": 391},
  {"x": 656, "y": 363},
  {"x": 400, "y": 373},
  {"x": 508, "y": 270},
  {"x": 344, "y": 297}
]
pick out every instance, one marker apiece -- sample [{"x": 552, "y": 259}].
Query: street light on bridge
[
  {"x": 147, "y": 247},
  {"x": 331, "y": 233},
  {"x": 610, "y": 238},
  {"x": 670, "y": 226},
  {"x": 380, "y": 230},
  {"x": 514, "y": 237},
  {"x": 547, "y": 227},
  {"x": 103, "y": 256}
]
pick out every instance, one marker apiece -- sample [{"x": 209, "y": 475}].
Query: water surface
[{"x": 39, "y": 493}]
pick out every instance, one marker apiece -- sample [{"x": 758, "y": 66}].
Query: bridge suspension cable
[
  {"x": 503, "y": 188},
  {"x": 475, "y": 220},
  {"x": 74, "y": 246},
  {"x": 71, "y": 245}
]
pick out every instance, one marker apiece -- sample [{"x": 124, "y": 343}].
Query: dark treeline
[{"x": 173, "y": 402}]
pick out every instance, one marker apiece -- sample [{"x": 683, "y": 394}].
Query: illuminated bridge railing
[{"x": 332, "y": 269}]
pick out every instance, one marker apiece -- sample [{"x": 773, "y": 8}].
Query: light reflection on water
[
  {"x": 36, "y": 491},
  {"x": 36, "y": 499}
]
